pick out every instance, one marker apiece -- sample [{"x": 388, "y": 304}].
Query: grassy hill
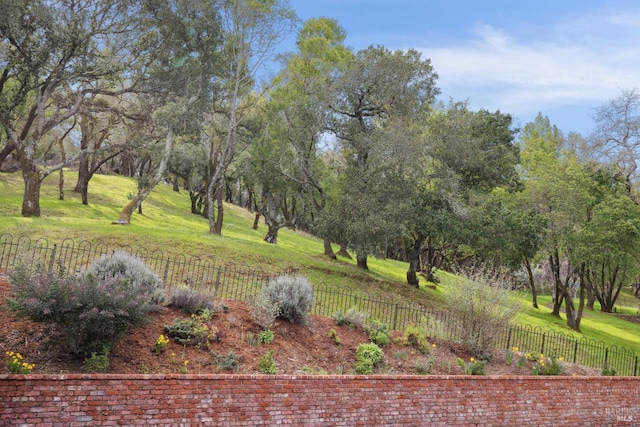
[{"x": 167, "y": 225}]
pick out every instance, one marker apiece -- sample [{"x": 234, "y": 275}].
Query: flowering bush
[
  {"x": 89, "y": 310},
  {"x": 17, "y": 365}
]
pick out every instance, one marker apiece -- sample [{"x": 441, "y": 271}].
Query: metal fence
[{"x": 232, "y": 282}]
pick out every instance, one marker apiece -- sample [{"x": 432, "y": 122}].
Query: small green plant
[
  {"x": 368, "y": 356},
  {"x": 183, "y": 366},
  {"x": 416, "y": 337},
  {"x": 334, "y": 337},
  {"x": 400, "y": 355},
  {"x": 509, "y": 354},
  {"x": 98, "y": 362},
  {"x": 424, "y": 365},
  {"x": 17, "y": 365},
  {"x": 161, "y": 344},
  {"x": 314, "y": 371},
  {"x": 534, "y": 357},
  {"x": 608, "y": 370},
  {"x": 293, "y": 295},
  {"x": 267, "y": 365},
  {"x": 521, "y": 361},
  {"x": 378, "y": 332},
  {"x": 226, "y": 362},
  {"x": 548, "y": 366},
  {"x": 265, "y": 337},
  {"x": 352, "y": 318},
  {"x": 472, "y": 367},
  {"x": 252, "y": 340},
  {"x": 192, "y": 331}
]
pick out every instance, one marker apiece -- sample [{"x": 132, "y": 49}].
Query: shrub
[
  {"x": 265, "y": 337},
  {"x": 352, "y": 318},
  {"x": 368, "y": 356},
  {"x": 472, "y": 367},
  {"x": 334, "y": 337},
  {"x": 267, "y": 365},
  {"x": 424, "y": 365},
  {"x": 416, "y": 337},
  {"x": 548, "y": 366},
  {"x": 608, "y": 370},
  {"x": 131, "y": 270},
  {"x": 264, "y": 311},
  {"x": 98, "y": 362},
  {"x": 379, "y": 333},
  {"x": 228, "y": 362},
  {"x": 293, "y": 295},
  {"x": 87, "y": 311},
  {"x": 193, "y": 331},
  {"x": 481, "y": 307},
  {"x": 191, "y": 301}
]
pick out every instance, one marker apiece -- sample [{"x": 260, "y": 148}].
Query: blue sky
[{"x": 563, "y": 58}]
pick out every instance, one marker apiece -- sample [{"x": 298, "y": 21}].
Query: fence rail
[{"x": 232, "y": 282}]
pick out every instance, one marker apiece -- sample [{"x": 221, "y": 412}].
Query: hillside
[
  {"x": 297, "y": 349},
  {"x": 167, "y": 225}
]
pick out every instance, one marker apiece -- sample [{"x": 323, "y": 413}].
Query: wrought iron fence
[{"x": 232, "y": 282}]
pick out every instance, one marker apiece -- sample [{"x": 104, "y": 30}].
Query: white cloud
[{"x": 585, "y": 61}]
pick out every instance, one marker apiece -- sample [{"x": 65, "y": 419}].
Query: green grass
[{"x": 167, "y": 225}]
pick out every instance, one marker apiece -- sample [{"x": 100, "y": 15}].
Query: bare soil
[{"x": 297, "y": 349}]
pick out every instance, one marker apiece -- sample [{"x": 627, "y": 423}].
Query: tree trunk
[
  {"x": 220, "y": 217},
  {"x": 554, "y": 262},
  {"x": 256, "y": 220},
  {"x": 125, "y": 215},
  {"x": 343, "y": 252},
  {"x": 570, "y": 310},
  {"x": 176, "y": 187},
  {"x": 61, "y": 172},
  {"x": 414, "y": 266},
  {"x": 361, "y": 262},
  {"x": 8, "y": 149},
  {"x": 193, "y": 196},
  {"x": 532, "y": 283},
  {"x": 61, "y": 184},
  {"x": 328, "y": 250},
  {"x": 31, "y": 197},
  {"x": 412, "y": 278},
  {"x": 272, "y": 234}
]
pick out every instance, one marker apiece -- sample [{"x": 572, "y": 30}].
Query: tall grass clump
[
  {"x": 481, "y": 307},
  {"x": 293, "y": 295},
  {"x": 86, "y": 312}
]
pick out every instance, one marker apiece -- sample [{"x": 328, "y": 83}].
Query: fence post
[
  {"x": 166, "y": 272},
  {"x": 53, "y": 257},
  {"x": 355, "y": 300},
  {"x": 544, "y": 335},
  {"x": 395, "y": 317},
  {"x": 215, "y": 289},
  {"x": 509, "y": 339},
  {"x": 635, "y": 367},
  {"x": 606, "y": 355},
  {"x": 575, "y": 351}
]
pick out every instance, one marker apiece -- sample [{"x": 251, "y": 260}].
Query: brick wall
[{"x": 242, "y": 400}]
